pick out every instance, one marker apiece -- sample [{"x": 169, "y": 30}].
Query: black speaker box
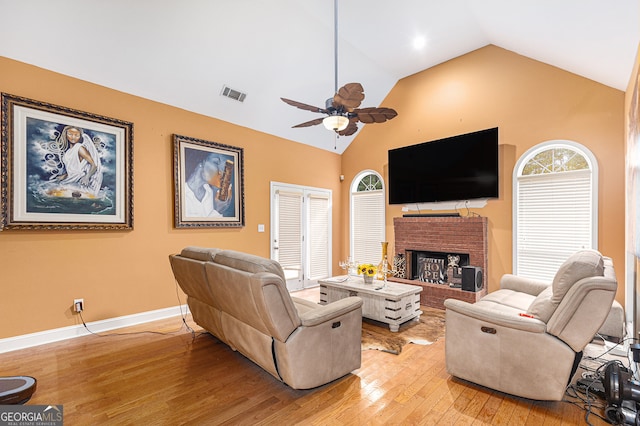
[{"x": 472, "y": 278}]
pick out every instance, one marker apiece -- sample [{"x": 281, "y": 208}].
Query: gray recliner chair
[{"x": 526, "y": 339}]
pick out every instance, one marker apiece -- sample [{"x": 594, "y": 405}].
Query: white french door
[{"x": 301, "y": 233}]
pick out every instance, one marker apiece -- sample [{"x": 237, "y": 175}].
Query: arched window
[
  {"x": 555, "y": 207},
  {"x": 367, "y": 228}
]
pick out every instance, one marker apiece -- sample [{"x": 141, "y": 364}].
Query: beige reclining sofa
[
  {"x": 242, "y": 300},
  {"x": 527, "y": 338}
]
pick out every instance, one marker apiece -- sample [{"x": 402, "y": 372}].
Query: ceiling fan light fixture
[
  {"x": 343, "y": 112},
  {"x": 336, "y": 122}
]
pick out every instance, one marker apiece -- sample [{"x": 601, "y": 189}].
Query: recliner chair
[{"x": 526, "y": 339}]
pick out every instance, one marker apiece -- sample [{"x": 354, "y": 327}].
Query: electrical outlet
[{"x": 78, "y": 305}]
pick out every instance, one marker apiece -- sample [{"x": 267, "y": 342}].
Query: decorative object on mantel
[
  {"x": 454, "y": 271},
  {"x": 384, "y": 268},
  {"x": 399, "y": 266},
  {"x": 427, "y": 329},
  {"x": 368, "y": 271},
  {"x": 431, "y": 269}
]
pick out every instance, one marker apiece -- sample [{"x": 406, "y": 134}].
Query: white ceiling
[{"x": 183, "y": 52}]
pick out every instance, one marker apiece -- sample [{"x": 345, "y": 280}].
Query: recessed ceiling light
[{"x": 419, "y": 42}]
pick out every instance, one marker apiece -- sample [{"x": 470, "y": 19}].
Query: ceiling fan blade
[
  {"x": 349, "y": 96},
  {"x": 375, "y": 115},
  {"x": 351, "y": 128},
  {"x": 304, "y": 106},
  {"x": 309, "y": 123}
]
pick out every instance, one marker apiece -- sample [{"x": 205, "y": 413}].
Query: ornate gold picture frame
[
  {"x": 209, "y": 183},
  {"x": 63, "y": 168}
]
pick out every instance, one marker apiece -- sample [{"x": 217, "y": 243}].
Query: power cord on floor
[
  {"x": 164, "y": 333},
  {"x": 585, "y": 400},
  {"x": 183, "y": 315},
  {"x": 615, "y": 350},
  {"x": 589, "y": 393}
]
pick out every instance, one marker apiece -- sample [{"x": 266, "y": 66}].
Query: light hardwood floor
[{"x": 176, "y": 378}]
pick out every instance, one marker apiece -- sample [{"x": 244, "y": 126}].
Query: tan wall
[
  {"x": 531, "y": 103},
  {"x": 125, "y": 272}
]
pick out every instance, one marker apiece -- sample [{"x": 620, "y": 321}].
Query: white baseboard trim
[{"x": 57, "y": 334}]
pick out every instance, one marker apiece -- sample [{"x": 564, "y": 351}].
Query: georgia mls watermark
[{"x": 31, "y": 415}]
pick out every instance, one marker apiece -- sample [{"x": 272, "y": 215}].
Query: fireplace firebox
[{"x": 435, "y": 267}]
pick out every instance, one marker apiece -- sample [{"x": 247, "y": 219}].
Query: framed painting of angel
[{"x": 63, "y": 168}]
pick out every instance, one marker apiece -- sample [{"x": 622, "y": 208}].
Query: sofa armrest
[
  {"x": 324, "y": 313},
  {"x": 524, "y": 285},
  {"x": 496, "y": 316}
]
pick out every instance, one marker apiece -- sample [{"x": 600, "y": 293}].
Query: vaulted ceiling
[{"x": 183, "y": 53}]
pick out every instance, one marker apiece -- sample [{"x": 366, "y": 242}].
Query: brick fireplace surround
[{"x": 448, "y": 235}]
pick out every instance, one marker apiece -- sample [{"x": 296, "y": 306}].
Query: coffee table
[{"x": 390, "y": 303}]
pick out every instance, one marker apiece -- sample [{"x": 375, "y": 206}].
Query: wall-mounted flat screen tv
[{"x": 462, "y": 167}]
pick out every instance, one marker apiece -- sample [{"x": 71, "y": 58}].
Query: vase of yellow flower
[{"x": 368, "y": 271}]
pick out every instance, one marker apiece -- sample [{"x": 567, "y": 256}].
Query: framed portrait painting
[
  {"x": 209, "y": 183},
  {"x": 63, "y": 168}
]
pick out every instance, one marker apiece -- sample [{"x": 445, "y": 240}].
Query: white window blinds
[
  {"x": 554, "y": 219},
  {"x": 318, "y": 241},
  {"x": 367, "y": 226},
  {"x": 289, "y": 231}
]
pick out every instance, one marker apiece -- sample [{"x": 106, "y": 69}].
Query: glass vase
[{"x": 384, "y": 268}]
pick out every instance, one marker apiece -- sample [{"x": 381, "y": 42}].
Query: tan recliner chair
[
  {"x": 242, "y": 299},
  {"x": 527, "y": 338}
]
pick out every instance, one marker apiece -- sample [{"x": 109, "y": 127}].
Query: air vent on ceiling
[{"x": 233, "y": 94}]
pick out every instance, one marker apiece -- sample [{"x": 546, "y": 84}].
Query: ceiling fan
[{"x": 342, "y": 112}]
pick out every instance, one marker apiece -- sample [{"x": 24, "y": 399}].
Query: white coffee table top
[{"x": 357, "y": 283}]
